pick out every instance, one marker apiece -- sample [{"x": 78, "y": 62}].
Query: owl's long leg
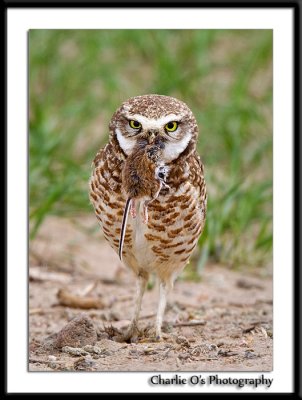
[
  {"x": 141, "y": 286},
  {"x": 163, "y": 293}
]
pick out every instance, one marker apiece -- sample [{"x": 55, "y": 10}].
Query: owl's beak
[{"x": 151, "y": 136}]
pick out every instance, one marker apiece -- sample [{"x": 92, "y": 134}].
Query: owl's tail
[{"x": 123, "y": 228}]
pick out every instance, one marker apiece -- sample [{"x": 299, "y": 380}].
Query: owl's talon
[{"x": 131, "y": 334}]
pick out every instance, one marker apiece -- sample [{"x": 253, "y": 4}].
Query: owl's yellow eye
[
  {"x": 135, "y": 124},
  {"x": 171, "y": 126}
]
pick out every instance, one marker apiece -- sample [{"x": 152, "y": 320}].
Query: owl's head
[{"x": 155, "y": 119}]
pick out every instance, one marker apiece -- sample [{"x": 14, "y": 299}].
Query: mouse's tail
[{"x": 123, "y": 228}]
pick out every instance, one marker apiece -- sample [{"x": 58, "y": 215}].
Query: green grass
[{"x": 78, "y": 78}]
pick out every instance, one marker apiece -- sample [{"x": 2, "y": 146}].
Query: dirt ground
[{"x": 222, "y": 323}]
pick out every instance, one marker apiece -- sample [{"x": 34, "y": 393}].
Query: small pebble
[
  {"x": 183, "y": 341},
  {"x": 93, "y": 349},
  {"x": 74, "y": 351},
  {"x": 149, "y": 350},
  {"x": 183, "y": 356},
  {"x": 85, "y": 364},
  {"x": 249, "y": 354},
  {"x": 212, "y": 347},
  {"x": 52, "y": 364}
]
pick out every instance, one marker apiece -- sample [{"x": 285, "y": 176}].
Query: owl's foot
[
  {"x": 133, "y": 209},
  {"x": 151, "y": 335},
  {"x": 131, "y": 333},
  {"x": 158, "y": 335}
]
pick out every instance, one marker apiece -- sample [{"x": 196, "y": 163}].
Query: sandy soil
[{"x": 222, "y": 323}]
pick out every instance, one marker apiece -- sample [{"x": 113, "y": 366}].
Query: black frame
[{"x": 296, "y": 5}]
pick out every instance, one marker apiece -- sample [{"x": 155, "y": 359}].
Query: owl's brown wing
[
  {"x": 197, "y": 179},
  {"x": 189, "y": 169},
  {"x": 105, "y": 191}
]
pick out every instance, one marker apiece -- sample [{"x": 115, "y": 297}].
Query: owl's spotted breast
[{"x": 176, "y": 217}]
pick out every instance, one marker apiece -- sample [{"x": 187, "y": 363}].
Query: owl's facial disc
[
  {"x": 170, "y": 130},
  {"x": 173, "y": 149}
]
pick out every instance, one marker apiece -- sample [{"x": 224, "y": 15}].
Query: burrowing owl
[{"x": 163, "y": 242}]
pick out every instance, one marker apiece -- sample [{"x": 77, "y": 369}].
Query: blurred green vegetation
[{"x": 78, "y": 78}]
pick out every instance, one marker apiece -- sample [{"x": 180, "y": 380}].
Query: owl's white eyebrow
[{"x": 153, "y": 122}]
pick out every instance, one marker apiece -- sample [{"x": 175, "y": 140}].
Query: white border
[{"x": 19, "y": 21}]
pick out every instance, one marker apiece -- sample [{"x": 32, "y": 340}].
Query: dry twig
[
  {"x": 70, "y": 300},
  {"x": 189, "y": 323}
]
